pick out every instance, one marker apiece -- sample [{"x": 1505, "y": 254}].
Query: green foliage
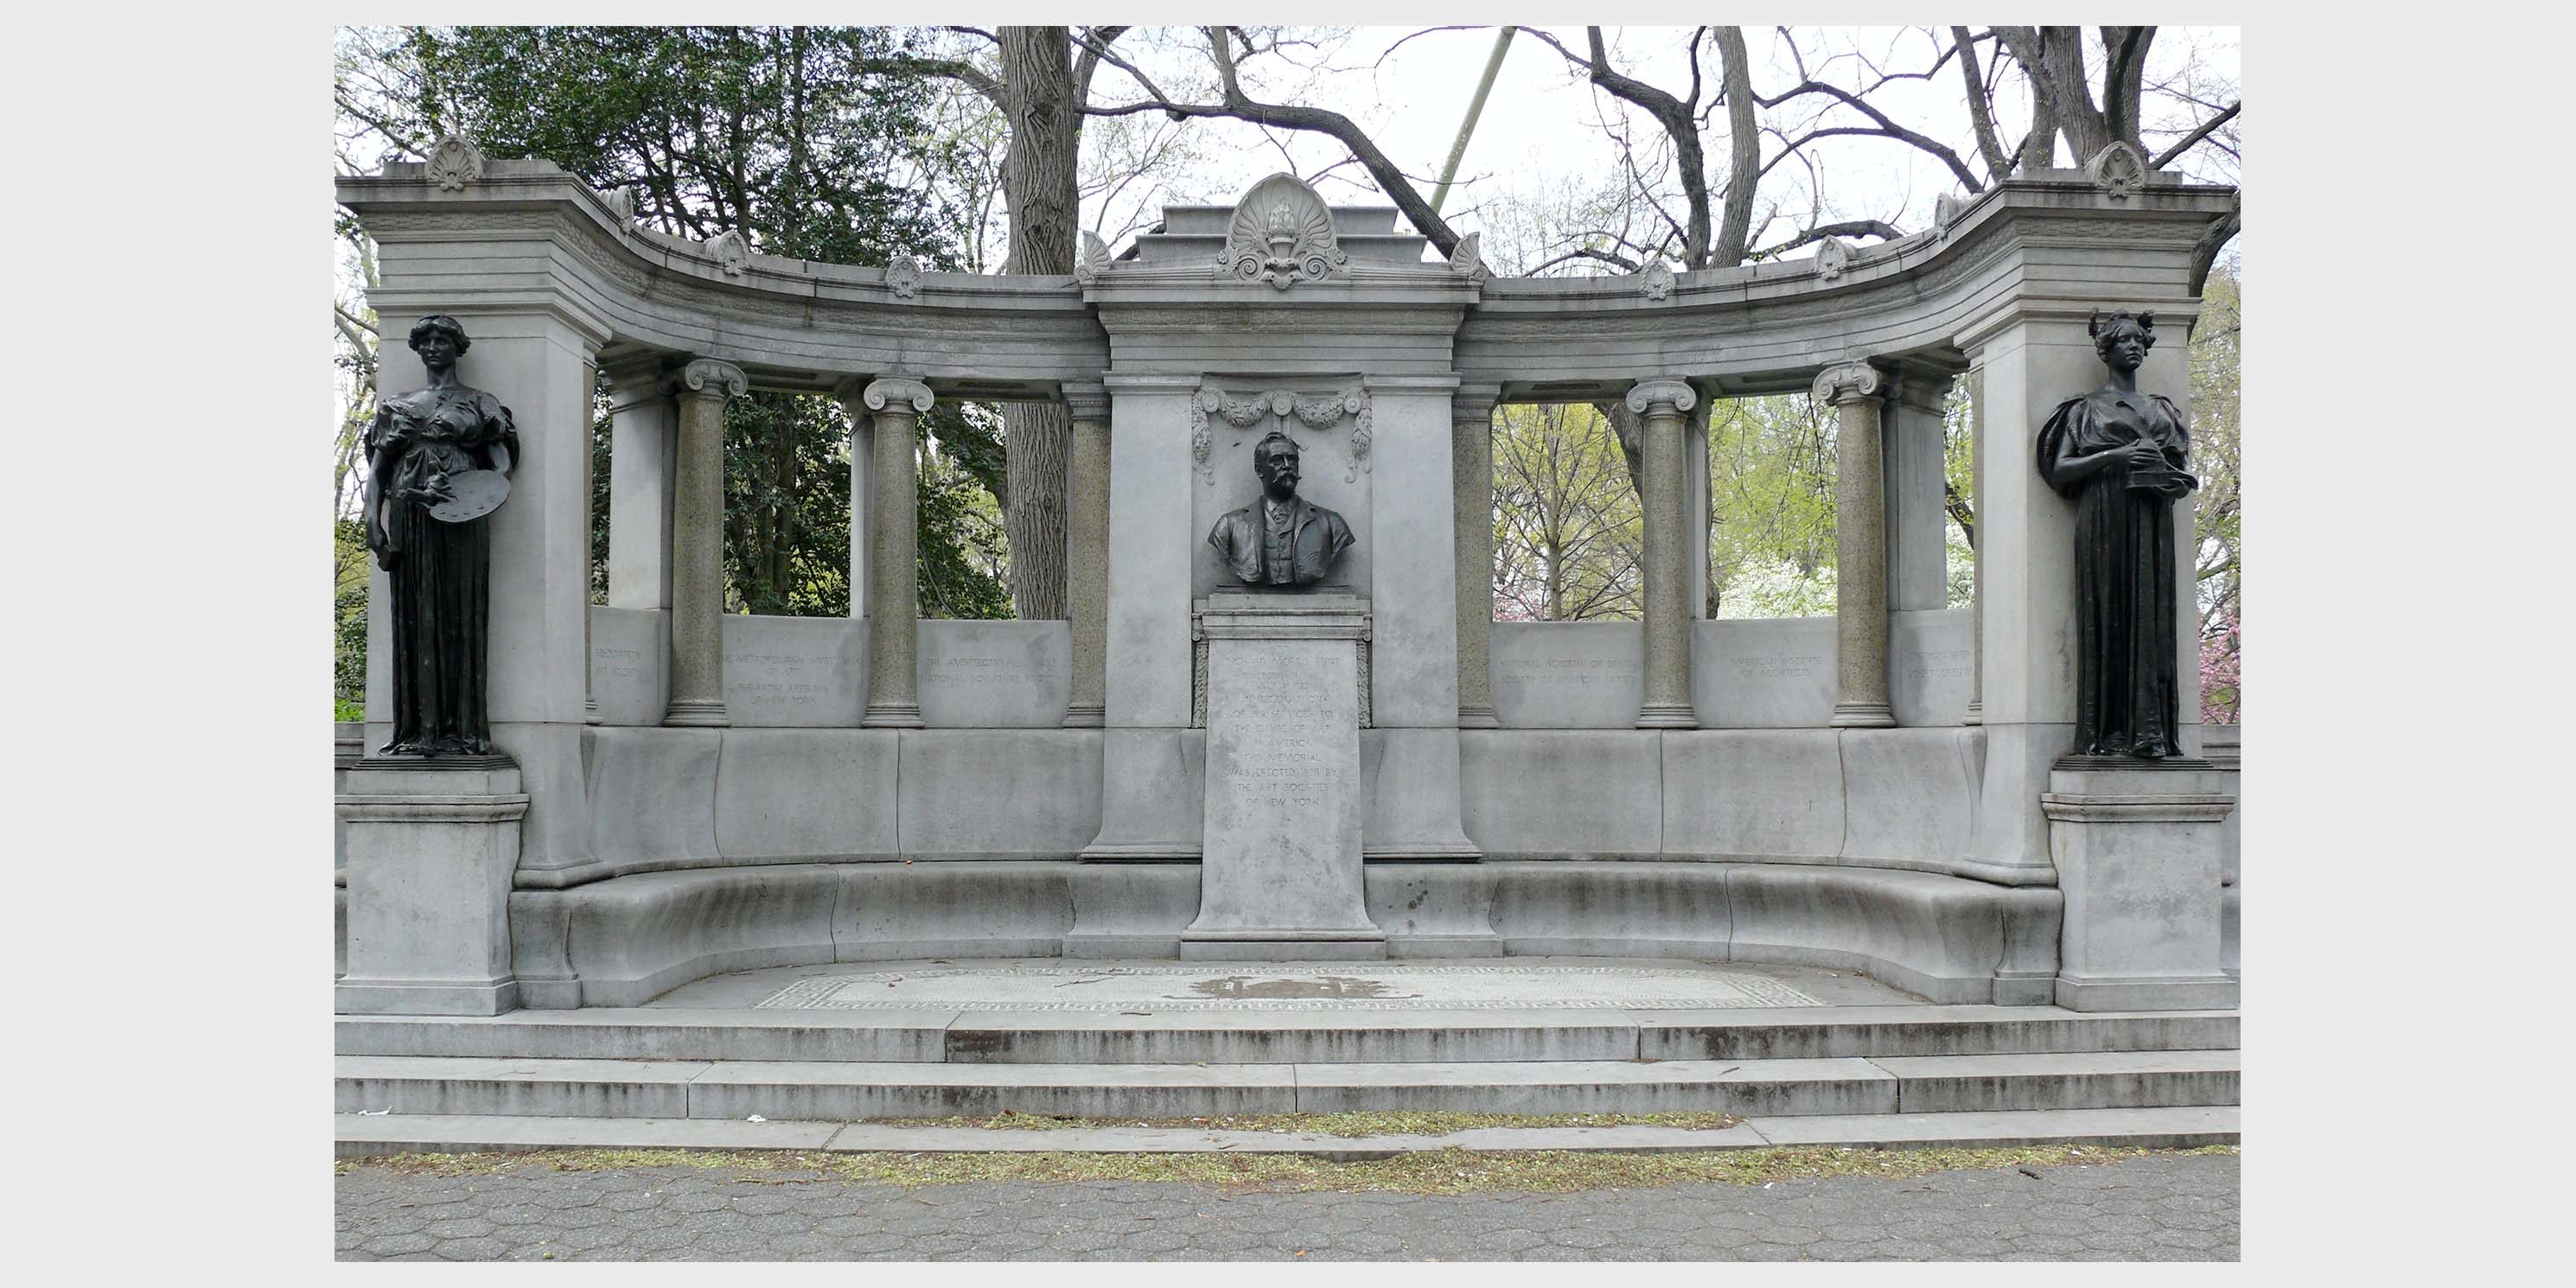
[
  {"x": 787, "y": 506},
  {"x": 1771, "y": 496},
  {"x": 349, "y": 616},
  {"x": 965, "y": 556},
  {"x": 791, "y": 134},
  {"x": 1568, "y": 531}
]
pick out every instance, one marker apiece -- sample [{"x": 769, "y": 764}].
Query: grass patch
[
  {"x": 1347, "y": 1124},
  {"x": 1446, "y": 1171}
]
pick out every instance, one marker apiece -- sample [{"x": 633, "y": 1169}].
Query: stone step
[
  {"x": 2182, "y": 1127},
  {"x": 994, "y": 1037},
  {"x": 848, "y": 1090}
]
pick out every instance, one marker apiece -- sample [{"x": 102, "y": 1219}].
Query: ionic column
[
  {"x": 1860, "y": 548},
  {"x": 894, "y": 564},
  {"x": 1664, "y": 490},
  {"x": 697, "y": 544},
  {"x": 1471, "y": 475},
  {"x": 1087, "y": 561}
]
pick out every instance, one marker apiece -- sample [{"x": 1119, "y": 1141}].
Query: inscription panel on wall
[
  {"x": 994, "y": 675},
  {"x": 1775, "y": 673},
  {"x": 1568, "y": 675},
  {"x": 1283, "y": 800},
  {"x": 782, "y": 672}
]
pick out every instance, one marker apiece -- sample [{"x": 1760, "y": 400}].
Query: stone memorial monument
[
  {"x": 1280, "y": 878},
  {"x": 2136, "y": 827},
  {"x": 1282, "y": 720},
  {"x": 432, "y": 820}
]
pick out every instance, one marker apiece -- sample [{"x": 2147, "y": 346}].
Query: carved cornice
[
  {"x": 897, "y": 390},
  {"x": 1666, "y": 396},
  {"x": 1282, "y": 233},
  {"x": 1313, "y": 411},
  {"x": 711, "y": 378},
  {"x": 453, "y": 163},
  {"x": 1847, "y": 382},
  {"x": 1086, "y": 401}
]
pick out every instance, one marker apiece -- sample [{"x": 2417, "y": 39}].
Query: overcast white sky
[{"x": 1541, "y": 128}]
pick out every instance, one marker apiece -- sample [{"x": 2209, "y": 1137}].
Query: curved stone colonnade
[{"x": 1754, "y": 798}]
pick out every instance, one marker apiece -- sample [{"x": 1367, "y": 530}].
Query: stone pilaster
[
  {"x": 697, "y": 544},
  {"x": 1976, "y": 713},
  {"x": 1087, "y": 566},
  {"x": 1471, "y": 476},
  {"x": 1663, "y": 403},
  {"x": 894, "y": 565},
  {"x": 1860, "y": 548},
  {"x": 641, "y": 459}
]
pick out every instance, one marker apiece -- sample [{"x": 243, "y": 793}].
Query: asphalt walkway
[{"x": 2155, "y": 1208}]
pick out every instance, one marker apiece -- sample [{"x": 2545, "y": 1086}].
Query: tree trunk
[
  {"x": 1038, "y": 176},
  {"x": 1744, "y": 143}
]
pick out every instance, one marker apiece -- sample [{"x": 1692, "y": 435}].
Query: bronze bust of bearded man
[{"x": 1281, "y": 539}]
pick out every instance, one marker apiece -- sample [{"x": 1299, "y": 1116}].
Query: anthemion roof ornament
[
  {"x": 1833, "y": 255},
  {"x": 454, "y": 162},
  {"x": 1655, "y": 280},
  {"x": 620, "y": 201},
  {"x": 1468, "y": 261},
  {"x": 730, "y": 250},
  {"x": 1282, "y": 234},
  {"x": 2119, "y": 169},
  {"x": 1094, "y": 260},
  {"x": 903, "y": 277}
]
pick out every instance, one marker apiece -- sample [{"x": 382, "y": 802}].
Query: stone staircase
[{"x": 1863, "y": 1075}]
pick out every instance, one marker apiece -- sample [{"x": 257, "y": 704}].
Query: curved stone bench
[
  {"x": 625, "y": 940},
  {"x": 1948, "y": 938}
]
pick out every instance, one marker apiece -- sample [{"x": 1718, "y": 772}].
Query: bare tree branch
[{"x": 2162, "y": 158}]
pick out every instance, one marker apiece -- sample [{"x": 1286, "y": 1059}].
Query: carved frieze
[
  {"x": 1314, "y": 411},
  {"x": 1282, "y": 233}
]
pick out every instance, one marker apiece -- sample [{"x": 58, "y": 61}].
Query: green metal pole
[{"x": 1475, "y": 108}]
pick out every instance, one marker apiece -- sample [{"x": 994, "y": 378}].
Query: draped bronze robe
[
  {"x": 441, "y": 572},
  {"x": 2127, "y": 678}
]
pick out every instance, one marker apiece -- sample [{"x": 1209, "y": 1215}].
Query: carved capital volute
[
  {"x": 710, "y": 378},
  {"x": 896, "y": 392},
  {"x": 1848, "y": 382},
  {"x": 1666, "y": 396},
  {"x": 1474, "y": 404},
  {"x": 1087, "y": 401}
]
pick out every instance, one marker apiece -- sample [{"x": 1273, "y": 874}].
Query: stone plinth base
[
  {"x": 2138, "y": 850},
  {"x": 432, "y": 845},
  {"x": 1285, "y": 945},
  {"x": 1281, "y": 878}
]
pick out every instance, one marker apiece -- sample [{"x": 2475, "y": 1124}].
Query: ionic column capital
[
  {"x": 1665, "y": 395},
  {"x": 710, "y": 378},
  {"x": 896, "y": 390},
  {"x": 1087, "y": 401},
  {"x": 1848, "y": 382}
]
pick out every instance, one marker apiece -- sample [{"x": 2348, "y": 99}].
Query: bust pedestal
[
  {"x": 2138, "y": 846},
  {"x": 432, "y": 847},
  {"x": 1280, "y": 879}
]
